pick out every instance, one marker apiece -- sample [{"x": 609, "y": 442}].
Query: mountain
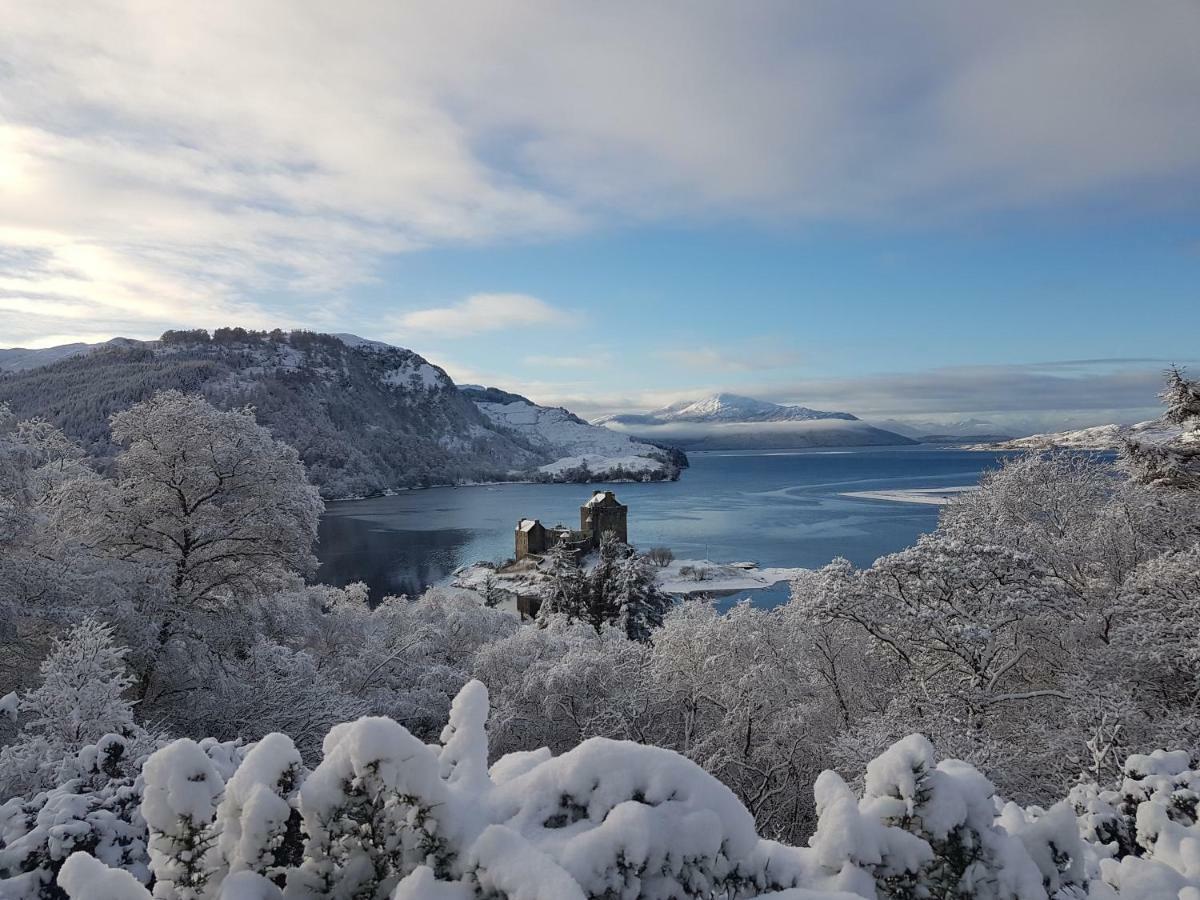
[
  {"x": 21, "y": 359},
  {"x": 724, "y": 408},
  {"x": 582, "y": 449},
  {"x": 365, "y": 417},
  {"x": 962, "y": 438},
  {"x": 940, "y": 430},
  {"x": 733, "y": 422},
  {"x": 1101, "y": 437}
]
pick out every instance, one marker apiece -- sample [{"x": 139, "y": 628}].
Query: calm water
[{"x": 776, "y": 509}]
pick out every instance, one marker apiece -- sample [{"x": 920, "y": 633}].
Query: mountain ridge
[
  {"x": 366, "y": 417},
  {"x": 726, "y": 407},
  {"x": 725, "y": 421}
]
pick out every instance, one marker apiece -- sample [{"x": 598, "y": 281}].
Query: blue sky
[{"x": 928, "y": 211}]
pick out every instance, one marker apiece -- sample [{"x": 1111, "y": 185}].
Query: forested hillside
[{"x": 365, "y": 417}]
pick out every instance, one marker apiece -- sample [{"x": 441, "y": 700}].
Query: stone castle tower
[
  {"x": 601, "y": 514},
  {"x": 604, "y": 513}
]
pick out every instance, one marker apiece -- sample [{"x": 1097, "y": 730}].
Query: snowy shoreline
[
  {"x": 395, "y": 492},
  {"x": 681, "y": 578},
  {"x": 928, "y": 496}
]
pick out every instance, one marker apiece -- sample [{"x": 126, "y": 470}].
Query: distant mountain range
[
  {"x": 365, "y": 417},
  {"x": 948, "y": 431},
  {"x": 734, "y": 422}
]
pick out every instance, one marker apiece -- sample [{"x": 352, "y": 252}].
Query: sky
[{"x": 922, "y": 211}]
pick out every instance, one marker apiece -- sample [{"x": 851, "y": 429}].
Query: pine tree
[
  {"x": 182, "y": 787},
  {"x": 1176, "y": 463},
  {"x": 567, "y": 586},
  {"x": 642, "y": 606}
]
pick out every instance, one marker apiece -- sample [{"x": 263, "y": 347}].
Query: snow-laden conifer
[{"x": 182, "y": 788}]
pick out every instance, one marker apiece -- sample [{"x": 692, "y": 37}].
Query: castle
[{"x": 603, "y": 513}]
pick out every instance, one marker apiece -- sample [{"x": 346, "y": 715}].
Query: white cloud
[
  {"x": 181, "y": 163},
  {"x": 479, "y": 313}
]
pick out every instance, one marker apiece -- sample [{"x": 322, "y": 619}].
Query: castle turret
[{"x": 604, "y": 513}]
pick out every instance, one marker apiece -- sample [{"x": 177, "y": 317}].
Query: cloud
[
  {"x": 1042, "y": 396},
  {"x": 479, "y": 313},
  {"x": 248, "y": 161},
  {"x": 985, "y": 389}
]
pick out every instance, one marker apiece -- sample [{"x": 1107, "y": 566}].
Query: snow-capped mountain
[
  {"x": 365, "y": 416},
  {"x": 581, "y": 447},
  {"x": 1101, "y": 437},
  {"x": 733, "y": 422},
  {"x": 725, "y": 408}
]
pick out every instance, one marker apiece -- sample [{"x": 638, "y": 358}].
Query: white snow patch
[
  {"x": 721, "y": 577},
  {"x": 933, "y": 496}
]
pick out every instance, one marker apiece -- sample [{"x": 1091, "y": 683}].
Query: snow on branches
[{"x": 386, "y": 816}]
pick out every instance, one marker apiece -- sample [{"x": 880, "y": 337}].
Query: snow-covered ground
[
  {"x": 557, "y": 430},
  {"x": 529, "y": 582},
  {"x": 683, "y": 576},
  {"x": 1101, "y": 437},
  {"x": 932, "y": 496}
]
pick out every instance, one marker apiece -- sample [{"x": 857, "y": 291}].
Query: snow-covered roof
[
  {"x": 599, "y": 497},
  {"x": 527, "y": 524}
]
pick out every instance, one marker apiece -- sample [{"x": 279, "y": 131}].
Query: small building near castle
[{"x": 602, "y": 514}]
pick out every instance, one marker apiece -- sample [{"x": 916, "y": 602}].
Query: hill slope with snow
[
  {"x": 582, "y": 449},
  {"x": 1100, "y": 437},
  {"x": 365, "y": 416},
  {"x": 733, "y": 422}
]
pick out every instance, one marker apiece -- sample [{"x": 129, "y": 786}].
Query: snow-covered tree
[
  {"x": 257, "y": 821},
  {"x": 182, "y": 788},
  {"x": 557, "y": 686},
  {"x": 387, "y": 816},
  {"x": 406, "y": 659},
  {"x": 641, "y": 605},
  {"x": 921, "y": 829},
  {"x": 617, "y": 588},
  {"x": 81, "y": 698},
  {"x": 206, "y": 499},
  {"x": 1174, "y": 463},
  {"x": 569, "y": 594},
  {"x": 974, "y": 628}
]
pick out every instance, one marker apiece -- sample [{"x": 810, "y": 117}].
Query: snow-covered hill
[
  {"x": 733, "y": 422},
  {"x": 365, "y": 416},
  {"x": 1101, "y": 437},
  {"x": 724, "y": 408},
  {"x": 22, "y": 359},
  {"x": 578, "y": 445}
]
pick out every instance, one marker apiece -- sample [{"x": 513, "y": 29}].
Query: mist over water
[{"x": 776, "y": 509}]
